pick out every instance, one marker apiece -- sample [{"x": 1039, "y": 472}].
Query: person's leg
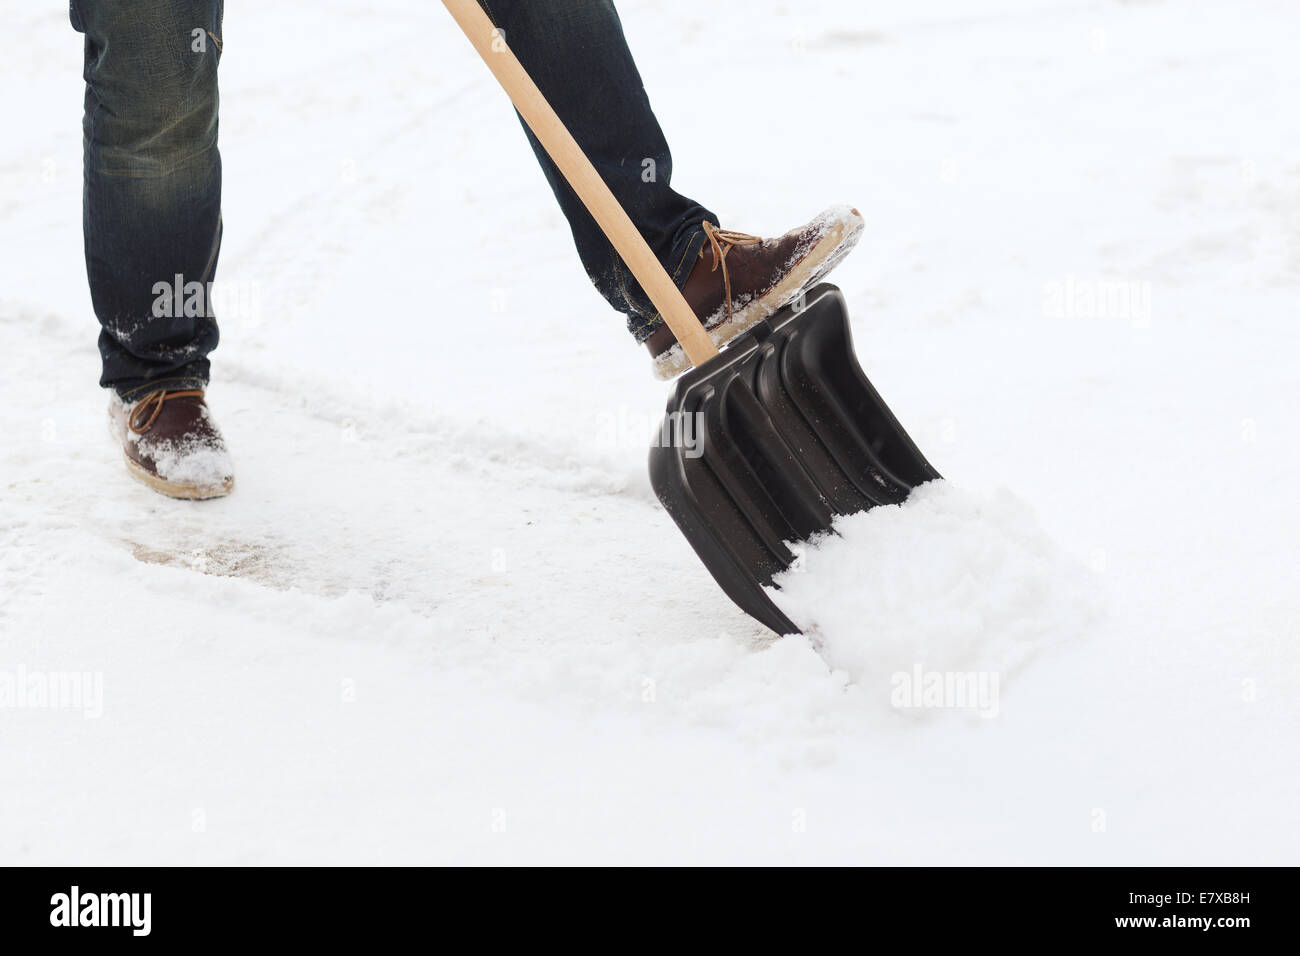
[
  {"x": 152, "y": 222},
  {"x": 577, "y": 55},
  {"x": 152, "y": 202}
]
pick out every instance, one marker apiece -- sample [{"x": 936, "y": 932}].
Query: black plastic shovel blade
[{"x": 771, "y": 440}]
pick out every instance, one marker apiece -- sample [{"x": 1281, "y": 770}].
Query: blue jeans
[{"x": 152, "y": 201}]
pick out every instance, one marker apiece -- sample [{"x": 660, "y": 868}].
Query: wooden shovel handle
[{"x": 584, "y": 179}]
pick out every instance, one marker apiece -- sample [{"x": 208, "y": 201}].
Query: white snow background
[{"x": 443, "y": 618}]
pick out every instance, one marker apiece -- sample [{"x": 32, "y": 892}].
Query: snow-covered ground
[{"x": 443, "y": 619}]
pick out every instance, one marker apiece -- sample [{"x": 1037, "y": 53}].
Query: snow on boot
[
  {"x": 171, "y": 444},
  {"x": 740, "y": 279}
]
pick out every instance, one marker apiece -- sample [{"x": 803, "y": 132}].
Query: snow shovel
[{"x": 762, "y": 445}]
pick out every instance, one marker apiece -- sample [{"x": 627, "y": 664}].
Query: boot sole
[
  {"x": 824, "y": 256},
  {"x": 175, "y": 489}
]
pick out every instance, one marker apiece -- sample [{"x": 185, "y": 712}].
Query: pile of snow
[{"x": 949, "y": 585}]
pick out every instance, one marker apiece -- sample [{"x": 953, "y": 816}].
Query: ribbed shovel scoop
[{"x": 763, "y": 446}]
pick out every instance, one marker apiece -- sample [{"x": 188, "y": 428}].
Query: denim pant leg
[
  {"x": 152, "y": 200},
  {"x": 577, "y": 55}
]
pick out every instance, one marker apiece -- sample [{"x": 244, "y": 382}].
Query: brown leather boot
[
  {"x": 740, "y": 279},
  {"x": 171, "y": 444}
]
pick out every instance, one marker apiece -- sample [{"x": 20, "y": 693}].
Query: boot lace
[
  {"x": 151, "y": 406},
  {"x": 722, "y": 241}
]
